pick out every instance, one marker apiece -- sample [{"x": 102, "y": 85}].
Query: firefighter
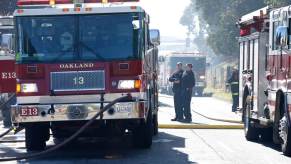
[
  {"x": 176, "y": 80},
  {"x": 187, "y": 84},
  {"x": 234, "y": 86}
]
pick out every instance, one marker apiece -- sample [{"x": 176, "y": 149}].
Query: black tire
[
  {"x": 251, "y": 133},
  {"x": 285, "y": 135},
  {"x": 36, "y": 136},
  {"x": 278, "y": 116},
  {"x": 156, "y": 125},
  {"x": 143, "y": 134},
  {"x": 267, "y": 134},
  {"x": 199, "y": 93}
]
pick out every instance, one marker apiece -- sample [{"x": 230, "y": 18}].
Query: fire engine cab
[
  {"x": 265, "y": 73},
  {"x": 74, "y": 58}
]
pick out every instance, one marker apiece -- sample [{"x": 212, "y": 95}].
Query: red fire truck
[
  {"x": 74, "y": 58},
  {"x": 265, "y": 73},
  {"x": 7, "y": 74}
]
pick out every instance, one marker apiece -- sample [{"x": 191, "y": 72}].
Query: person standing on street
[
  {"x": 187, "y": 84},
  {"x": 176, "y": 80},
  {"x": 234, "y": 85}
]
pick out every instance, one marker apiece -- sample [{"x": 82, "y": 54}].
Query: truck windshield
[
  {"x": 199, "y": 63},
  {"x": 77, "y": 38}
]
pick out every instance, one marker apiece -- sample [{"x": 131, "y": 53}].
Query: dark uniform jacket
[
  {"x": 188, "y": 80},
  {"x": 177, "y": 75},
  {"x": 234, "y": 83}
]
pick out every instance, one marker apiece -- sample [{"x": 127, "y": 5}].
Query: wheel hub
[{"x": 283, "y": 129}]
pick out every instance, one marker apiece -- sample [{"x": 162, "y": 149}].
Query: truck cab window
[{"x": 275, "y": 26}]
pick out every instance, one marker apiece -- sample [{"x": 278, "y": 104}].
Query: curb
[{"x": 195, "y": 126}]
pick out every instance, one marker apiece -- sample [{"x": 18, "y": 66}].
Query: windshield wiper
[
  {"x": 92, "y": 50},
  {"x": 59, "y": 55}
]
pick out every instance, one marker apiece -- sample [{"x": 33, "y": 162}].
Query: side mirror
[
  {"x": 155, "y": 37},
  {"x": 282, "y": 36}
]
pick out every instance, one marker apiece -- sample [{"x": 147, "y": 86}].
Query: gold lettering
[{"x": 81, "y": 65}]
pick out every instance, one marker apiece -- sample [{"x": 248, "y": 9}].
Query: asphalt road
[{"x": 169, "y": 147}]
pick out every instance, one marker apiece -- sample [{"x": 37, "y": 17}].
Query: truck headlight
[
  {"x": 129, "y": 84},
  {"x": 202, "y": 77},
  {"x": 28, "y": 88}
]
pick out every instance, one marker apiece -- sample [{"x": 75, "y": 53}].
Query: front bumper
[
  {"x": 76, "y": 107},
  {"x": 74, "y": 112}
]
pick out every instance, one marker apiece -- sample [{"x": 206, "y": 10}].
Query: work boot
[
  {"x": 174, "y": 119},
  {"x": 187, "y": 120}
]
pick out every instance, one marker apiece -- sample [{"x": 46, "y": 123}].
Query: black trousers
[
  {"x": 178, "y": 104},
  {"x": 235, "y": 102},
  {"x": 187, "y": 96}
]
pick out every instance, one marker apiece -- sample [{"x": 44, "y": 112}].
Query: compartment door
[{"x": 7, "y": 76}]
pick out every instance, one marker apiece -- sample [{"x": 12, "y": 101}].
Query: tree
[
  {"x": 7, "y": 7},
  {"x": 188, "y": 19},
  {"x": 218, "y": 20},
  {"x": 278, "y": 3}
]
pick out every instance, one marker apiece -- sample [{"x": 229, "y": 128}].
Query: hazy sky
[{"x": 165, "y": 15}]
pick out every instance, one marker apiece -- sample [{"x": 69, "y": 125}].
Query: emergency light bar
[{"x": 53, "y": 2}]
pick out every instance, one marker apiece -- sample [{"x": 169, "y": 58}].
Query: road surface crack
[{"x": 207, "y": 144}]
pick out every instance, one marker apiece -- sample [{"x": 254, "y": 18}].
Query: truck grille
[{"x": 78, "y": 80}]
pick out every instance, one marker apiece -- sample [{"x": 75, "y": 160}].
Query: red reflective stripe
[
  {"x": 109, "y": 1},
  {"x": 123, "y": 0},
  {"x": 41, "y": 2},
  {"x": 46, "y": 2},
  {"x": 32, "y": 2}
]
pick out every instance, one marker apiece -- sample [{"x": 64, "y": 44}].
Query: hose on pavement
[{"x": 39, "y": 154}]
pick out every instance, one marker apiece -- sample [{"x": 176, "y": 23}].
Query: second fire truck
[
  {"x": 168, "y": 64},
  {"x": 74, "y": 58},
  {"x": 265, "y": 75}
]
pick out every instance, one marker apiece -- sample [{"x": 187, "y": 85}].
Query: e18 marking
[{"x": 28, "y": 111}]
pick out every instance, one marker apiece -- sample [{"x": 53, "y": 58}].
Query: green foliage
[
  {"x": 278, "y": 3},
  {"x": 188, "y": 18},
  {"x": 217, "y": 19},
  {"x": 7, "y": 7}
]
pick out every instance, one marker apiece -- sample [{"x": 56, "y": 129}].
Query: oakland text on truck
[
  {"x": 74, "y": 58},
  {"x": 265, "y": 62}
]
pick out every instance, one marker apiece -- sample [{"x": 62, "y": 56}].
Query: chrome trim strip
[
  {"x": 69, "y": 99},
  {"x": 78, "y": 112},
  {"x": 46, "y": 11}
]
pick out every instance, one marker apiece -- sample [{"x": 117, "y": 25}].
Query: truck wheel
[
  {"x": 278, "y": 116},
  {"x": 267, "y": 134},
  {"x": 36, "y": 136},
  {"x": 142, "y": 135},
  {"x": 251, "y": 133},
  {"x": 156, "y": 125},
  {"x": 285, "y": 135}
]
